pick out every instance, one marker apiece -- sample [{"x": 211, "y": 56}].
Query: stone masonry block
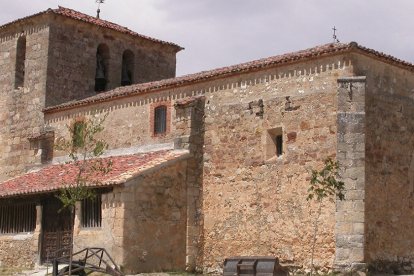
[
  {"x": 358, "y": 228},
  {"x": 342, "y": 254},
  {"x": 357, "y": 255}
]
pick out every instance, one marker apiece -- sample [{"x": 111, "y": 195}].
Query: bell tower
[{"x": 62, "y": 55}]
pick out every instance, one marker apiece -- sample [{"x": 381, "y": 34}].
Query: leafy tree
[
  {"x": 83, "y": 150},
  {"x": 324, "y": 184}
]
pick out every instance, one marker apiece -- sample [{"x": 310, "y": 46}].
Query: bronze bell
[
  {"x": 100, "y": 67},
  {"x": 126, "y": 75},
  {"x": 100, "y": 79}
]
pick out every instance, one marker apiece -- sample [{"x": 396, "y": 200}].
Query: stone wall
[
  {"x": 350, "y": 212},
  {"x": 153, "y": 230},
  {"x": 21, "y": 250},
  {"x": 254, "y": 202},
  {"x": 109, "y": 235},
  {"x": 72, "y": 59},
  {"x": 135, "y": 131},
  {"x": 190, "y": 135},
  {"x": 389, "y": 185},
  {"x": 21, "y": 114}
]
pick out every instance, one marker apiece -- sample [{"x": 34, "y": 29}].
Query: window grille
[
  {"x": 160, "y": 120},
  {"x": 92, "y": 212},
  {"x": 17, "y": 218}
]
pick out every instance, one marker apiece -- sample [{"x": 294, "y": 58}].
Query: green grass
[{"x": 10, "y": 271}]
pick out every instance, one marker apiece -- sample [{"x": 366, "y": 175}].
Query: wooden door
[{"x": 56, "y": 230}]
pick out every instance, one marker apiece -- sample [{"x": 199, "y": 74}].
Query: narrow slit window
[
  {"x": 279, "y": 145},
  {"x": 92, "y": 212},
  {"x": 17, "y": 218},
  {"x": 274, "y": 143},
  {"x": 20, "y": 62},
  {"x": 160, "y": 120}
]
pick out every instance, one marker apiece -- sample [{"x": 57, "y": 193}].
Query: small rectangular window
[
  {"x": 274, "y": 143},
  {"x": 160, "y": 120},
  {"x": 92, "y": 212},
  {"x": 17, "y": 218},
  {"x": 279, "y": 145}
]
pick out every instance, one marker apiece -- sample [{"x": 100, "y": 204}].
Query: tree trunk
[{"x": 315, "y": 233}]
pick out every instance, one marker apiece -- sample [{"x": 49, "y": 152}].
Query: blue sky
[{"x": 218, "y": 33}]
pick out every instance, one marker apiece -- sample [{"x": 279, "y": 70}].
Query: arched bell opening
[
  {"x": 127, "y": 68},
  {"x": 102, "y": 65}
]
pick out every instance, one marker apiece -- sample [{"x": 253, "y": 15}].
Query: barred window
[
  {"x": 160, "y": 119},
  {"x": 17, "y": 218},
  {"x": 92, "y": 212}
]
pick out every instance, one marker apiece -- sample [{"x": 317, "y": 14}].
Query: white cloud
[{"x": 223, "y": 32}]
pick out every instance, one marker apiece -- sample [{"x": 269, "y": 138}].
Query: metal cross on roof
[
  {"x": 99, "y": 5},
  {"x": 336, "y": 40}
]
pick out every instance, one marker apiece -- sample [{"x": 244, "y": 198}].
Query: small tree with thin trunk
[
  {"x": 83, "y": 149},
  {"x": 324, "y": 184}
]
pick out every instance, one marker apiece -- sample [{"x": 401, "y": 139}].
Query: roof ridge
[
  {"x": 77, "y": 15},
  {"x": 328, "y": 48},
  {"x": 321, "y": 50}
]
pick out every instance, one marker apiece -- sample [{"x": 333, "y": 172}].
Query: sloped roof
[
  {"x": 303, "y": 55},
  {"x": 69, "y": 13},
  {"x": 55, "y": 177}
]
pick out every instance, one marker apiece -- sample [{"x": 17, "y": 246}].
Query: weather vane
[
  {"x": 99, "y": 5},
  {"x": 336, "y": 40}
]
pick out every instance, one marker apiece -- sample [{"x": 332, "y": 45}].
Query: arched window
[
  {"x": 20, "y": 62},
  {"x": 160, "y": 119},
  {"x": 102, "y": 65},
  {"x": 127, "y": 68}
]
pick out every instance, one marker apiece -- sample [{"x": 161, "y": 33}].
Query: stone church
[{"x": 208, "y": 165}]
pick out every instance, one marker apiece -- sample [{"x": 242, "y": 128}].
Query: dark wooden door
[{"x": 56, "y": 230}]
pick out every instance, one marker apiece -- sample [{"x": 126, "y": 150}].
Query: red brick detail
[
  {"x": 292, "y": 137},
  {"x": 153, "y": 106}
]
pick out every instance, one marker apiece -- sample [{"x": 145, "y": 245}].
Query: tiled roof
[
  {"x": 54, "y": 177},
  {"x": 93, "y": 20},
  {"x": 315, "y": 52}
]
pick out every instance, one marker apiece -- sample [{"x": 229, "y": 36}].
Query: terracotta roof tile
[
  {"x": 93, "y": 20},
  {"x": 204, "y": 75},
  {"x": 315, "y": 52},
  {"x": 54, "y": 177}
]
